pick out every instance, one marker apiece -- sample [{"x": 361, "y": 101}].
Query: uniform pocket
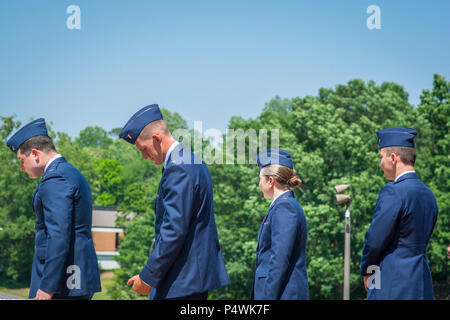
[
  {"x": 41, "y": 254},
  {"x": 41, "y": 245},
  {"x": 261, "y": 273}
]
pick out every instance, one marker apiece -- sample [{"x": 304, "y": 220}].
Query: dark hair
[
  {"x": 285, "y": 176},
  {"x": 42, "y": 143},
  {"x": 407, "y": 154}
]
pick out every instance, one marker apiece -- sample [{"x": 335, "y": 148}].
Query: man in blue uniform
[
  {"x": 65, "y": 264},
  {"x": 186, "y": 262},
  {"x": 393, "y": 261}
]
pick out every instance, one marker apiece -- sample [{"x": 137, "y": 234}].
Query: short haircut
[
  {"x": 158, "y": 126},
  {"x": 42, "y": 143},
  {"x": 407, "y": 154}
]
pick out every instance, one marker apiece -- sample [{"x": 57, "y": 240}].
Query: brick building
[{"x": 106, "y": 236}]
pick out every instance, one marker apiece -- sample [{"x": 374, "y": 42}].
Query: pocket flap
[
  {"x": 261, "y": 272},
  {"x": 41, "y": 253}
]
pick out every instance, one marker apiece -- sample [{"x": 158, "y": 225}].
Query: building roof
[{"x": 106, "y": 216}]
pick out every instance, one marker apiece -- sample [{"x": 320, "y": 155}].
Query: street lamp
[{"x": 345, "y": 199}]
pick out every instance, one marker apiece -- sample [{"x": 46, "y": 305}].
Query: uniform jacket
[
  {"x": 396, "y": 241},
  {"x": 187, "y": 257},
  {"x": 65, "y": 261},
  {"x": 281, "y": 253}
]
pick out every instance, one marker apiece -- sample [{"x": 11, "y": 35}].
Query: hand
[
  {"x": 138, "y": 285},
  {"x": 42, "y": 295},
  {"x": 365, "y": 281}
]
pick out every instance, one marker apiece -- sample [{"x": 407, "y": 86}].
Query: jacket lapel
[
  {"x": 34, "y": 198},
  {"x": 50, "y": 168},
  {"x": 262, "y": 225},
  {"x": 176, "y": 149},
  {"x": 289, "y": 194},
  {"x": 53, "y": 166}
]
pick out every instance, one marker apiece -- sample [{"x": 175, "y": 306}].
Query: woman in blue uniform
[{"x": 281, "y": 253}]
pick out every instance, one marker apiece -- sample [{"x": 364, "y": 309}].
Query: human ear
[
  {"x": 35, "y": 153},
  {"x": 156, "y": 137},
  {"x": 271, "y": 181},
  {"x": 394, "y": 158}
]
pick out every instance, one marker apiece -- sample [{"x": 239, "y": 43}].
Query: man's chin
[{"x": 156, "y": 162}]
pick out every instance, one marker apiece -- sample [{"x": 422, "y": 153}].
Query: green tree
[
  {"x": 110, "y": 180},
  {"x": 174, "y": 120},
  {"x": 434, "y": 165},
  {"x": 16, "y": 214},
  {"x": 332, "y": 137},
  {"x": 82, "y": 158},
  {"x": 134, "y": 248},
  {"x": 93, "y": 137}
]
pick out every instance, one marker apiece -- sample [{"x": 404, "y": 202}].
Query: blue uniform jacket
[
  {"x": 187, "y": 257},
  {"x": 65, "y": 261},
  {"x": 281, "y": 254},
  {"x": 396, "y": 241}
]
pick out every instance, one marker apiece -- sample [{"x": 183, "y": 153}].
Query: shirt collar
[
  {"x": 273, "y": 201},
  {"x": 398, "y": 177},
  {"x": 173, "y": 146},
  {"x": 51, "y": 160}
]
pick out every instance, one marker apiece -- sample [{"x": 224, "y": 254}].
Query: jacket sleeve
[
  {"x": 178, "y": 202},
  {"x": 382, "y": 228},
  {"x": 57, "y": 202},
  {"x": 285, "y": 227}
]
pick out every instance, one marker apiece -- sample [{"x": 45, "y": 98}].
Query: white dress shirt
[{"x": 169, "y": 152}]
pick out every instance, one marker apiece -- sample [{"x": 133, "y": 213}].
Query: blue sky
[{"x": 207, "y": 60}]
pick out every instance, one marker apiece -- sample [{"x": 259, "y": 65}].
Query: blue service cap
[
  {"x": 274, "y": 156},
  {"x": 399, "y": 137},
  {"x": 138, "y": 121},
  {"x": 32, "y": 129}
]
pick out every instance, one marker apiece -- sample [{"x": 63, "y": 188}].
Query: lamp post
[{"x": 341, "y": 199}]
